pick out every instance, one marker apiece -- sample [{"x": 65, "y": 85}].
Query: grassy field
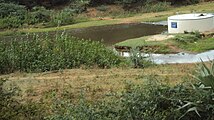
[
  {"x": 96, "y": 84},
  {"x": 43, "y": 92},
  {"x": 139, "y": 17}
]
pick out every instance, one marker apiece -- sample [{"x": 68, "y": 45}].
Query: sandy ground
[{"x": 159, "y": 37}]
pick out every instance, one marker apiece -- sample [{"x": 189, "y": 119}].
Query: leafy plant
[
  {"x": 11, "y": 22},
  {"x": 10, "y": 9},
  {"x": 63, "y": 17},
  {"x": 138, "y": 59},
  {"x": 204, "y": 90},
  {"x": 38, "y": 15},
  {"x": 205, "y": 74},
  {"x": 36, "y": 53}
]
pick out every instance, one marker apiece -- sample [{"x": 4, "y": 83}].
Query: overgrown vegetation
[
  {"x": 14, "y": 16},
  {"x": 151, "y": 100},
  {"x": 46, "y": 53}
]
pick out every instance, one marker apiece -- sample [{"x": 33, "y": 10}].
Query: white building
[{"x": 190, "y": 23}]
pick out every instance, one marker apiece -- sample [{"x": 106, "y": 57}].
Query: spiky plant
[{"x": 206, "y": 74}]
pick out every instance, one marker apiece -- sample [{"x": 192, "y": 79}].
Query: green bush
[
  {"x": 78, "y": 7},
  {"x": 156, "y": 7},
  {"x": 138, "y": 60},
  {"x": 10, "y": 9},
  {"x": 38, "y": 15},
  {"x": 64, "y": 17},
  {"x": 11, "y": 22},
  {"x": 36, "y": 53},
  {"x": 205, "y": 74},
  {"x": 11, "y": 15},
  {"x": 186, "y": 38}
]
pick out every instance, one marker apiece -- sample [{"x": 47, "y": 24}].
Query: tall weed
[{"x": 39, "y": 53}]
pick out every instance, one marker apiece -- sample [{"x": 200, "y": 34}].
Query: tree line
[{"x": 52, "y": 3}]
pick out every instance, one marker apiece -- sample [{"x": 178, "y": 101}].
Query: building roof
[{"x": 193, "y": 16}]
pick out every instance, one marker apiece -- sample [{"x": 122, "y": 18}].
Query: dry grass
[{"x": 97, "y": 84}]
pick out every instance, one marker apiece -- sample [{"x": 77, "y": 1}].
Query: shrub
[
  {"x": 63, "y": 17},
  {"x": 11, "y": 15},
  {"x": 138, "y": 60},
  {"x": 156, "y": 7},
  {"x": 78, "y": 7},
  {"x": 205, "y": 74},
  {"x": 10, "y": 9},
  {"x": 11, "y": 22},
  {"x": 44, "y": 54},
  {"x": 38, "y": 15},
  {"x": 186, "y": 38}
]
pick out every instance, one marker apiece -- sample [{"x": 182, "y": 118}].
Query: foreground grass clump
[
  {"x": 153, "y": 100},
  {"x": 37, "y": 53},
  {"x": 13, "y": 109}
]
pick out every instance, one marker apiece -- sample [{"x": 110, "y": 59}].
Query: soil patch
[{"x": 160, "y": 37}]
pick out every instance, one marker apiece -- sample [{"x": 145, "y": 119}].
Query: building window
[{"x": 174, "y": 25}]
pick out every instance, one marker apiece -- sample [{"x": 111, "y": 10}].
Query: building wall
[{"x": 179, "y": 26}]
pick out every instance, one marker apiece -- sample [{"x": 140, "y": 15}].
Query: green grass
[
  {"x": 199, "y": 46},
  {"x": 133, "y": 42},
  {"x": 156, "y": 47},
  {"x": 138, "y": 42}
]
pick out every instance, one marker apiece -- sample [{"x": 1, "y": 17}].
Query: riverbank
[{"x": 166, "y": 43}]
